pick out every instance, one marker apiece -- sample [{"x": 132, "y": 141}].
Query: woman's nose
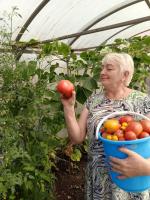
[{"x": 103, "y": 71}]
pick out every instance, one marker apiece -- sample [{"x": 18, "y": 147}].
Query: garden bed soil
[{"x": 70, "y": 179}]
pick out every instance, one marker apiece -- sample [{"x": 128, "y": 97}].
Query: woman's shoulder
[
  {"x": 138, "y": 94},
  {"x": 142, "y": 102},
  {"x": 140, "y": 98}
]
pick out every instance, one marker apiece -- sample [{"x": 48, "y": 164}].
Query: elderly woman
[{"x": 116, "y": 74}]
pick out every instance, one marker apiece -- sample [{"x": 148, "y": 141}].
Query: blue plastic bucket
[{"x": 140, "y": 146}]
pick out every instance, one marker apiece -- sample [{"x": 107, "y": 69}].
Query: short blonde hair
[{"x": 124, "y": 61}]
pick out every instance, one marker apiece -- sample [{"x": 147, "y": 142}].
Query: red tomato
[
  {"x": 102, "y": 130},
  {"x": 104, "y": 135},
  {"x": 146, "y": 125},
  {"x": 130, "y": 135},
  {"x": 121, "y": 138},
  {"x": 134, "y": 126},
  {"x": 65, "y": 87},
  {"x": 143, "y": 135},
  {"x": 126, "y": 118},
  {"x": 119, "y": 133}
]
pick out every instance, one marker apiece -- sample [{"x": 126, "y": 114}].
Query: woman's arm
[{"x": 76, "y": 129}]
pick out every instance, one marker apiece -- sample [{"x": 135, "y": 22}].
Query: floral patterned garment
[{"x": 98, "y": 183}]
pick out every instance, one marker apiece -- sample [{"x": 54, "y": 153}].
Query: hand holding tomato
[
  {"x": 69, "y": 102},
  {"x": 68, "y": 95},
  {"x": 133, "y": 165}
]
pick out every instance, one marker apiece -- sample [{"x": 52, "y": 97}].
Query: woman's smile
[{"x": 104, "y": 77}]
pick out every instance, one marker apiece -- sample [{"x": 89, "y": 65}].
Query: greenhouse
[{"x": 65, "y": 67}]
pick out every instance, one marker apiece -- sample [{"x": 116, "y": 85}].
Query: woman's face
[{"x": 111, "y": 75}]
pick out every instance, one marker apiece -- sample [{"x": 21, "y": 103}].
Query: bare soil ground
[{"x": 70, "y": 179}]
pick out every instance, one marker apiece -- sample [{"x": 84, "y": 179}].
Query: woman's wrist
[
  {"x": 147, "y": 167},
  {"x": 69, "y": 108},
  {"x": 69, "y": 112}
]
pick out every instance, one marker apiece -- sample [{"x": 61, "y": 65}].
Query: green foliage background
[{"x": 32, "y": 115}]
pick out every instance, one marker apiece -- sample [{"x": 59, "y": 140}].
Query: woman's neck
[{"x": 117, "y": 93}]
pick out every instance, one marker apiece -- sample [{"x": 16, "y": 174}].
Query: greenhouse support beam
[
  {"x": 140, "y": 33},
  {"x": 94, "y": 47},
  {"x": 103, "y": 43},
  {"x": 109, "y": 27},
  {"x": 27, "y": 51},
  {"x": 30, "y": 19},
  {"x": 148, "y": 3},
  {"x": 117, "y": 33},
  {"x": 104, "y": 15},
  {"x": 84, "y": 49}
]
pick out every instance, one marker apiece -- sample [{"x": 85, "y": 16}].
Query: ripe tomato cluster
[{"x": 125, "y": 128}]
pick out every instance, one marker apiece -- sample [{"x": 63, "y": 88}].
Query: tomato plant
[{"x": 31, "y": 115}]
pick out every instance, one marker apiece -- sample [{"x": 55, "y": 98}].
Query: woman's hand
[
  {"x": 133, "y": 165},
  {"x": 69, "y": 102}
]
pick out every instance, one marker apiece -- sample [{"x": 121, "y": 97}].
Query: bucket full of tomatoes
[{"x": 131, "y": 130}]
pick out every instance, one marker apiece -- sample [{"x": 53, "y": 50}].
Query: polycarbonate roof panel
[
  {"x": 63, "y": 17},
  {"x": 93, "y": 39},
  {"x": 139, "y": 28},
  {"x": 135, "y": 11},
  {"x": 132, "y": 12},
  {"x": 25, "y": 10}
]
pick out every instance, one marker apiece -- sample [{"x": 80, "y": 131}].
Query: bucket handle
[{"x": 118, "y": 113}]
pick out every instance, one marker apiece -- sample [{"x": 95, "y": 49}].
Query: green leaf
[
  {"x": 28, "y": 167},
  {"x": 29, "y": 185},
  {"x": 146, "y": 40},
  {"x": 64, "y": 49},
  {"x": 76, "y": 155},
  {"x": 145, "y": 58},
  {"x": 88, "y": 83},
  {"x": 82, "y": 94}
]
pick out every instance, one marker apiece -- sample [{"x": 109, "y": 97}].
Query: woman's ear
[{"x": 126, "y": 74}]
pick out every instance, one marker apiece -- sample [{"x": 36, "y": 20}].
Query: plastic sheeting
[{"x": 64, "y": 17}]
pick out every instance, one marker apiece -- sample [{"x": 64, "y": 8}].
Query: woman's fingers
[
  {"x": 73, "y": 93},
  {"x": 116, "y": 160},
  {"x": 127, "y": 151},
  {"x": 68, "y": 102},
  {"x": 116, "y": 168},
  {"x": 130, "y": 166},
  {"x": 119, "y": 169}
]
